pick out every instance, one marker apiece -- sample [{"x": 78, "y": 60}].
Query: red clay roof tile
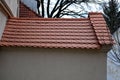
[
  {"x": 102, "y": 32},
  {"x": 57, "y": 33},
  {"x": 27, "y": 12}
]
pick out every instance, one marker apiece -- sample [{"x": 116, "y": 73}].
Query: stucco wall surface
[
  {"x": 13, "y": 5},
  {"x": 113, "y": 70},
  {"x": 3, "y": 19},
  {"x": 51, "y": 64}
]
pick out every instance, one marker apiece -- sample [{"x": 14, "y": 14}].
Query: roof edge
[
  {"x": 89, "y": 17},
  {"x": 51, "y": 47}
]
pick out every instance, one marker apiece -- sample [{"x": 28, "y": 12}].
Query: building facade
[
  {"x": 33, "y": 48},
  {"x": 8, "y": 9}
]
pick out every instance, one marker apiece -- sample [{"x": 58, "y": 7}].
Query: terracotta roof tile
[
  {"x": 26, "y": 11},
  {"x": 56, "y": 33},
  {"x": 100, "y": 27}
]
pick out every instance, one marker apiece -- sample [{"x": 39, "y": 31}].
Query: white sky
[{"x": 92, "y": 6}]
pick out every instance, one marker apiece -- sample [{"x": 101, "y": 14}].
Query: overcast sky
[{"x": 92, "y": 7}]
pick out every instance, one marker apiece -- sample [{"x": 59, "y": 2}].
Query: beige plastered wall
[
  {"x": 13, "y": 5},
  {"x": 3, "y": 19},
  {"x": 52, "y": 64}
]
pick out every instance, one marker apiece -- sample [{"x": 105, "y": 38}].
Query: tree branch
[
  {"x": 43, "y": 11},
  {"x": 48, "y": 6},
  {"x": 54, "y": 9}
]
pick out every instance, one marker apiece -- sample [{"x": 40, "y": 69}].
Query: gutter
[{"x": 5, "y": 8}]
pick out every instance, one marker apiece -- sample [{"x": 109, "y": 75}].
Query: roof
[
  {"x": 26, "y": 12},
  {"x": 100, "y": 27},
  {"x": 83, "y": 33}
]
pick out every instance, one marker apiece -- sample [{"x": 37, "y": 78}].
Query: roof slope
[
  {"x": 57, "y": 33},
  {"x": 26, "y": 12},
  {"x": 99, "y": 25}
]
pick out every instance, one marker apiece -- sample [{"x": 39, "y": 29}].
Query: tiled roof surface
[
  {"x": 26, "y": 12},
  {"x": 57, "y": 33},
  {"x": 99, "y": 25}
]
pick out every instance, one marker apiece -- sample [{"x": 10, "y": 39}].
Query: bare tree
[
  {"x": 38, "y": 5},
  {"x": 59, "y": 9},
  {"x": 112, "y": 17}
]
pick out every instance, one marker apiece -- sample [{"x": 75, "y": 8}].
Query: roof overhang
[{"x": 5, "y": 9}]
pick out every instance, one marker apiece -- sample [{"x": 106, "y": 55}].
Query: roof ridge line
[
  {"x": 93, "y": 28},
  {"x": 33, "y": 18}
]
